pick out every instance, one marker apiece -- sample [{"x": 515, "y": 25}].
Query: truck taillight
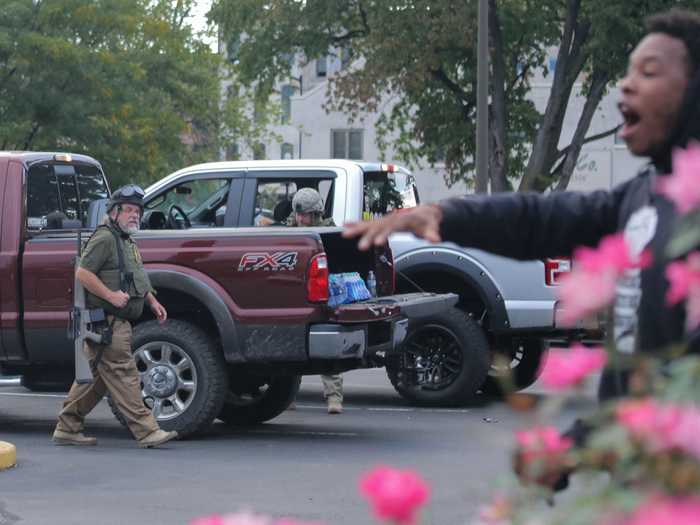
[
  {"x": 317, "y": 279},
  {"x": 554, "y": 269}
]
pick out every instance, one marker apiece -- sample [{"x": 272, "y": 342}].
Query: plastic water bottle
[{"x": 372, "y": 284}]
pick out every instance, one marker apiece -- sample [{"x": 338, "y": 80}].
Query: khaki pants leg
[
  {"x": 333, "y": 386},
  {"x": 116, "y": 373}
]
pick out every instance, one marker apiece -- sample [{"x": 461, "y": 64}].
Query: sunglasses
[{"x": 131, "y": 190}]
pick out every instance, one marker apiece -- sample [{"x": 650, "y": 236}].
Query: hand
[
  {"x": 118, "y": 299},
  {"x": 423, "y": 221},
  {"x": 159, "y": 311}
]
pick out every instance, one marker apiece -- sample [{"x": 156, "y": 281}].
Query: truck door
[{"x": 55, "y": 192}]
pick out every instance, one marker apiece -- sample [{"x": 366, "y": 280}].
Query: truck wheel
[
  {"x": 259, "y": 402},
  {"x": 183, "y": 375},
  {"x": 525, "y": 357},
  {"x": 444, "y": 361}
]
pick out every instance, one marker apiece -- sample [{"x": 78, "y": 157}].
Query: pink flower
[
  {"x": 682, "y": 275},
  {"x": 584, "y": 293},
  {"x": 570, "y": 367},
  {"x": 692, "y": 308},
  {"x": 637, "y": 417},
  {"x": 541, "y": 443},
  {"x": 239, "y": 518},
  {"x": 662, "y": 426},
  {"x": 611, "y": 255},
  {"x": 395, "y": 495},
  {"x": 682, "y": 187},
  {"x": 665, "y": 510}
]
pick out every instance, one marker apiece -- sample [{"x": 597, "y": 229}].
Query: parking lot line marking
[
  {"x": 22, "y": 394},
  {"x": 302, "y": 433}
]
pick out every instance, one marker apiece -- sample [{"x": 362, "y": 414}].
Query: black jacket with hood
[{"x": 534, "y": 226}]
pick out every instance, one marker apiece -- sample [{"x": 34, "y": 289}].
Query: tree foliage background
[
  {"x": 125, "y": 81},
  {"x": 420, "y": 56}
]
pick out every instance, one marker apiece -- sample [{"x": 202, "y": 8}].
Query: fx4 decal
[{"x": 269, "y": 262}]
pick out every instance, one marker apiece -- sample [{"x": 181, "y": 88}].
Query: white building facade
[{"x": 307, "y": 131}]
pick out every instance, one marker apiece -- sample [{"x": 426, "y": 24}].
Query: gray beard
[{"x": 132, "y": 230}]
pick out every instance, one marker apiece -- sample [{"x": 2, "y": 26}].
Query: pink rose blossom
[
  {"x": 541, "y": 443},
  {"x": 611, "y": 255},
  {"x": 394, "y": 494},
  {"x": 239, "y": 518},
  {"x": 584, "y": 293},
  {"x": 682, "y": 188},
  {"x": 662, "y": 426},
  {"x": 637, "y": 416},
  {"x": 692, "y": 308},
  {"x": 665, "y": 510},
  {"x": 570, "y": 367},
  {"x": 682, "y": 276}
]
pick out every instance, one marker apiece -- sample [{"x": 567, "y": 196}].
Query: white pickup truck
[{"x": 505, "y": 307}]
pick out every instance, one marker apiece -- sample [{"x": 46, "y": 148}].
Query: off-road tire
[
  {"x": 278, "y": 394},
  {"x": 464, "y": 343},
  {"x": 211, "y": 384}
]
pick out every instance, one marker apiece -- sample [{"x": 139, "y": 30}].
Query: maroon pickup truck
[{"x": 248, "y": 310}]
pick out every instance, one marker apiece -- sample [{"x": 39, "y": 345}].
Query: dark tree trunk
[
  {"x": 570, "y": 61},
  {"x": 566, "y": 168}
]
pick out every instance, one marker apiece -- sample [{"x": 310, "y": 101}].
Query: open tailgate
[{"x": 410, "y": 305}]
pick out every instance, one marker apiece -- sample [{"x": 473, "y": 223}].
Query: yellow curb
[{"x": 8, "y": 455}]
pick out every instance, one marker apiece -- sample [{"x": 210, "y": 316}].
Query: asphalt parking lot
[{"x": 304, "y": 464}]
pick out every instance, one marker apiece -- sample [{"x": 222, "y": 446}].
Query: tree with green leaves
[
  {"x": 126, "y": 81},
  {"x": 420, "y": 56}
]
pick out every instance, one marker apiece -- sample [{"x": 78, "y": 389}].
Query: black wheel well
[
  {"x": 444, "y": 281},
  {"x": 184, "y": 307}
]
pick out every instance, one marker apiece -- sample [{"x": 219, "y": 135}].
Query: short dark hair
[{"x": 683, "y": 25}]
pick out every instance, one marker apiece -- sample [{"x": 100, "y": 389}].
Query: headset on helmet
[
  {"x": 307, "y": 200},
  {"x": 129, "y": 194}
]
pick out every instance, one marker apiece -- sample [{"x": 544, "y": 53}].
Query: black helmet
[{"x": 129, "y": 194}]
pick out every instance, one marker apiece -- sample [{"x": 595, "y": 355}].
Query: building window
[
  {"x": 259, "y": 151},
  {"x": 346, "y": 144},
  {"x": 287, "y": 91},
  {"x": 287, "y": 151},
  {"x": 552, "y": 64},
  {"x": 322, "y": 66}
]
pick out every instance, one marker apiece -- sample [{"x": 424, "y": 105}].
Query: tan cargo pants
[
  {"x": 333, "y": 387},
  {"x": 116, "y": 373}
]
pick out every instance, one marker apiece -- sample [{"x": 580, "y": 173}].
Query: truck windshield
[{"x": 384, "y": 192}]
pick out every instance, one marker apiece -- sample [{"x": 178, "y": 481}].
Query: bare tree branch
[{"x": 467, "y": 103}]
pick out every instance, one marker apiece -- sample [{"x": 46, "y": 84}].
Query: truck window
[
  {"x": 199, "y": 199},
  {"x": 273, "y": 199},
  {"x": 385, "y": 192},
  {"x": 65, "y": 194}
]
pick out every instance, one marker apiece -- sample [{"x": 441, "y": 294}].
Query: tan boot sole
[
  {"x": 67, "y": 442},
  {"x": 157, "y": 443}
]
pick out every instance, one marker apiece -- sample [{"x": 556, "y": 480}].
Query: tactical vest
[{"x": 129, "y": 276}]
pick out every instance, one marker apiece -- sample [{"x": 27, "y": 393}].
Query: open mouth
[{"x": 630, "y": 118}]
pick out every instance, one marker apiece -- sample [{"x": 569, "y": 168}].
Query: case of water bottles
[{"x": 344, "y": 288}]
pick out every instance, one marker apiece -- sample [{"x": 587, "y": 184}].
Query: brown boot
[
  {"x": 72, "y": 438},
  {"x": 334, "y": 405},
  {"x": 156, "y": 439}
]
